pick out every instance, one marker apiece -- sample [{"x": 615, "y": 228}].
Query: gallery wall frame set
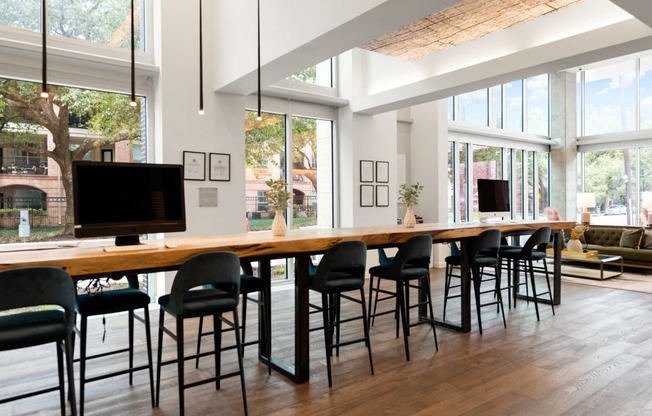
[
  {"x": 194, "y": 166},
  {"x": 374, "y": 172}
]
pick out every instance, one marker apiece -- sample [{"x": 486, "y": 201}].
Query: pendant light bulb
[
  {"x": 201, "y": 62},
  {"x": 133, "y": 59},
  {"x": 260, "y": 116},
  {"x": 44, "y": 56}
]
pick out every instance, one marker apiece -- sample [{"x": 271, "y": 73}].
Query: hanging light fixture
[
  {"x": 260, "y": 115},
  {"x": 133, "y": 59},
  {"x": 201, "y": 63},
  {"x": 44, "y": 35}
]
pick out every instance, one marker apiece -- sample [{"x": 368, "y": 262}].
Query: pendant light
[
  {"x": 260, "y": 115},
  {"x": 44, "y": 35},
  {"x": 201, "y": 63},
  {"x": 133, "y": 59}
]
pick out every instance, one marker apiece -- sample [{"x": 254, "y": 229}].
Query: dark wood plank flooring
[{"x": 593, "y": 358}]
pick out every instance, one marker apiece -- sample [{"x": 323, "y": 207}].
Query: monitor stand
[{"x": 127, "y": 240}]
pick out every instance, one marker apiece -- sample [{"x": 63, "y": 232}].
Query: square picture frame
[
  {"x": 382, "y": 172},
  {"x": 219, "y": 167},
  {"x": 382, "y": 195},
  {"x": 366, "y": 171},
  {"x": 366, "y": 195},
  {"x": 194, "y": 166}
]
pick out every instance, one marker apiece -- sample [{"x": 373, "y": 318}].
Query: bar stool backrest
[
  {"x": 220, "y": 269},
  {"x": 35, "y": 286},
  {"x": 414, "y": 252},
  {"x": 348, "y": 258},
  {"x": 488, "y": 242},
  {"x": 540, "y": 236}
]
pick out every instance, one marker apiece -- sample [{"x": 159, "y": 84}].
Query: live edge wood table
[{"x": 87, "y": 259}]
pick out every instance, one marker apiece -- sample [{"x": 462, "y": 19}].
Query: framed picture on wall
[
  {"x": 366, "y": 195},
  {"x": 382, "y": 172},
  {"x": 382, "y": 195},
  {"x": 219, "y": 167},
  {"x": 194, "y": 166},
  {"x": 366, "y": 171}
]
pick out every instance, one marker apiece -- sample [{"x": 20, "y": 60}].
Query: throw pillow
[
  {"x": 631, "y": 238},
  {"x": 647, "y": 240}
]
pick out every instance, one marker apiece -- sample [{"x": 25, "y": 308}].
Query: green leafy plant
[
  {"x": 278, "y": 195},
  {"x": 408, "y": 195}
]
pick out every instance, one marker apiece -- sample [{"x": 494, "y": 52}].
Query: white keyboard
[{"x": 134, "y": 247}]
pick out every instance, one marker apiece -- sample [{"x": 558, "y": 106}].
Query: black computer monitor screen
[
  {"x": 493, "y": 198},
  {"x": 127, "y": 200}
]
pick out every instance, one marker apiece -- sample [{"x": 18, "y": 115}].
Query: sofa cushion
[
  {"x": 603, "y": 236},
  {"x": 647, "y": 240},
  {"x": 631, "y": 238}
]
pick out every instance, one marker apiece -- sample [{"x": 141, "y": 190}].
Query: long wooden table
[{"x": 87, "y": 259}]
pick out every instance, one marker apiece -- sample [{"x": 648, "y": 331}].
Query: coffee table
[{"x": 589, "y": 258}]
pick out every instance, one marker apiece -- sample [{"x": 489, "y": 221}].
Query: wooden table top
[{"x": 87, "y": 258}]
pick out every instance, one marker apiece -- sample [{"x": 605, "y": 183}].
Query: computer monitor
[
  {"x": 493, "y": 199},
  {"x": 127, "y": 200}
]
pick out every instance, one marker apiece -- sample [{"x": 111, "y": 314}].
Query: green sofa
[{"x": 635, "y": 246}]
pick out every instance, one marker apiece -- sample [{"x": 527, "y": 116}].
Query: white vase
[
  {"x": 574, "y": 245},
  {"x": 278, "y": 225},
  {"x": 409, "y": 221}
]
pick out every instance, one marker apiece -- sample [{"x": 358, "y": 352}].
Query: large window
[
  {"x": 615, "y": 97},
  {"x": 36, "y": 152},
  {"x": 620, "y": 180},
  {"x": 310, "y": 175},
  {"x": 610, "y": 99},
  {"x": 105, "y": 22},
  {"x": 521, "y": 106},
  {"x": 320, "y": 74}
]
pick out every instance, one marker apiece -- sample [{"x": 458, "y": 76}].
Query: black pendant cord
[
  {"x": 133, "y": 58},
  {"x": 260, "y": 116},
  {"x": 201, "y": 62},
  {"x": 44, "y": 34}
]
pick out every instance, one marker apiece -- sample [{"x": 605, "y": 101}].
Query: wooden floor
[{"x": 593, "y": 358}]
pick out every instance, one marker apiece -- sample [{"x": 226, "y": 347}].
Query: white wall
[{"x": 179, "y": 127}]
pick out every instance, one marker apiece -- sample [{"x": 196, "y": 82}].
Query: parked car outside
[{"x": 616, "y": 210}]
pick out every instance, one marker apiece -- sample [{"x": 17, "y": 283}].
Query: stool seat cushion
[
  {"x": 111, "y": 301},
  {"x": 455, "y": 260},
  {"x": 250, "y": 284},
  {"x": 202, "y": 302},
  {"x": 518, "y": 254},
  {"x": 338, "y": 282},
  {"x": 408, "y": 272},
  {"x": 27, "y": 329}
]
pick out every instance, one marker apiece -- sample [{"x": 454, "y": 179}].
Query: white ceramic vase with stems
[
  {"x": 278, "y": 225},
  {"x": 574, "y": 245},
  {"x": 409, "y": 221}
]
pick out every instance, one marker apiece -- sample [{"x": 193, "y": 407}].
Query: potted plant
[
  {"x": 408, "y": 196},
  {"x": 277, "y": 198}
]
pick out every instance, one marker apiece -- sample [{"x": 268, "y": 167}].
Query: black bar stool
[
  {"x": 484, "y": 253},
  {"x": 411, "y": 263},
  {"x": 30, "y": 287},
  {"x": 342, "y": 269},
  {"x": 453, "y": 270},
  {"x": 107, "y": 302},
  {"x": 524, "y": 258},
  {"x": 215, "y": 278}
]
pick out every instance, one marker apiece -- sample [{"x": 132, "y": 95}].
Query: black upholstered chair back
[
  {"x": 414, "y": 252},
  {"x": 540, "y": 236},
  {"x": 347, "y": 260},
  {"x": 486, "y": 244},
  {"x": 35, "y": 286},
  {"x": 221, "y": 269}
]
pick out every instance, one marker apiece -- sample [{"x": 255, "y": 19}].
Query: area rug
[{"x": 637, "y": 280}]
